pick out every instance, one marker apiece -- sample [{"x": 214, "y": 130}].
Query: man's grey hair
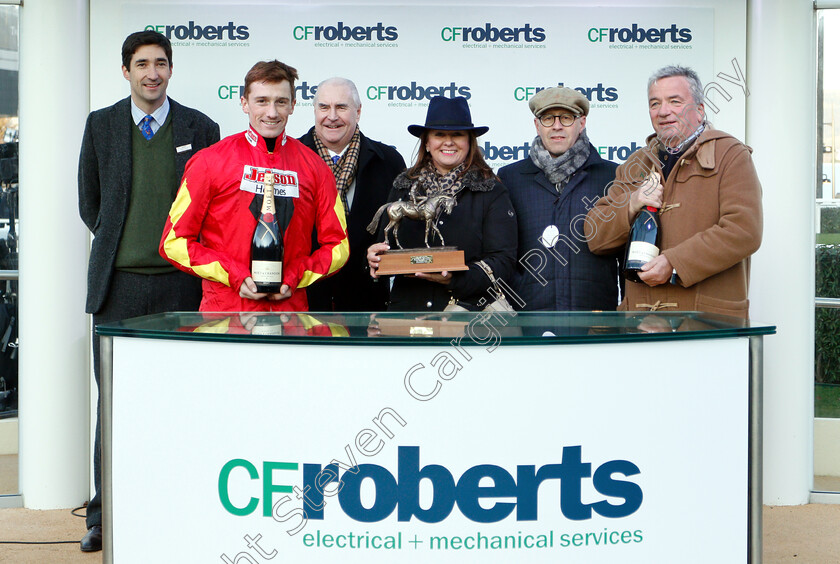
[
  {"x": 341, "y": 81},
  {"x": 694, "y": 83}
]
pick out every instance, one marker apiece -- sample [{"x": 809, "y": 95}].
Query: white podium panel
[{"x": 597, "y": 453}]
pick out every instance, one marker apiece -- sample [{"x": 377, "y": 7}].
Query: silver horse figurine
[{"x": 427, "y": 210}]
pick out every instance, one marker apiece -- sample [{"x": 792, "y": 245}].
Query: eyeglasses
[{"x": 547, "y": 120}]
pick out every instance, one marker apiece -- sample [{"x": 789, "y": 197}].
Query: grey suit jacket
[{"x": 105, "y": 180}]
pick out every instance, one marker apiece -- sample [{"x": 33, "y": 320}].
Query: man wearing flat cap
[{"x": 550, "y": 189}]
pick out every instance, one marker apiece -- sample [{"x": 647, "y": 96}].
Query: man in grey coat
[{"x": 132, "y": 159}]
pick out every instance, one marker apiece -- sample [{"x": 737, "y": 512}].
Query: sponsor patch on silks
[
  {"x": 285, "y": 181},
  {"x": 251, "y": 137}
]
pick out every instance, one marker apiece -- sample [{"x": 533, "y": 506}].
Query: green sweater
[{"x": 153, "y": 188}]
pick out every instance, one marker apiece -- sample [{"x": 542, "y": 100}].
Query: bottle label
[
  {"x": 267, "y": 271},
  {"x": 267, "y": 328},
  {"x": 642, "y": 252}
]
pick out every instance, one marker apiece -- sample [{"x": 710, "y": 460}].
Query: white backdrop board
[
  {"x": 399, "y": 56},
  {"x": 527, "y": 453}
]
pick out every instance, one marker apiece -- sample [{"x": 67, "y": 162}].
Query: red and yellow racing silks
[
  {"x": 211, "y": 224},
  {"x": 260, "y": 323}
]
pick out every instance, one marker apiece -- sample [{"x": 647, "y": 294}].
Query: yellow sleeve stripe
[
  {"x": 338, "y": 209},
  {"x": 339, "y": 253},
  {"x": 215, "y": 326},
  {"x": 176, "y": 247},
  {"x": 338, "y": 330},
  {"x": 335, "y": 329},
  {"x": 214, "y": 272},
  {"x": 308, "y": 321}
]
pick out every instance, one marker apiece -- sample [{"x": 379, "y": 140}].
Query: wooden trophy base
[
  {"x": 409, "y": 261},
  {"x": 391, "y": 327}
]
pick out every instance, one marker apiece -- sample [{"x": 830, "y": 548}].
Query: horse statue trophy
[{"x": 428, "y": 259}]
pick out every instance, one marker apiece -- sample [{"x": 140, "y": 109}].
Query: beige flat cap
[{"x": 559, "y": 97}]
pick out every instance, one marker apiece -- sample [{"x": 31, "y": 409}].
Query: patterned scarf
[
  {"x": 345, "y": 168},
  {"x": 431, "y": 183},
  {"x": 558, "y": 170}
]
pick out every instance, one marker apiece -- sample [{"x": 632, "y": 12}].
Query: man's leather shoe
[{"x": 92, "y": 541}]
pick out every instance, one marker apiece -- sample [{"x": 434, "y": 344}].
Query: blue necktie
[
  {"x": 335, "y": 158},
  {"x": 146, "y": 127}
]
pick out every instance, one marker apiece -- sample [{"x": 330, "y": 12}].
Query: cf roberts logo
[
  {"x": 230, "y": 92},
  {"x": 344, "y": 32},
  {"x": 485, "y": 493},
  {"x": 618, "y": 152},
  {"x": 639, "y": 34},
  {"x": 303, "y": 91},
  {"x": 416, "y": 91},
  {"x": 191, "y": 30},
  {"x": 597, "y": 93},
  {"x": 492, "y": 34},
  {"x": 505, "y": 152}
]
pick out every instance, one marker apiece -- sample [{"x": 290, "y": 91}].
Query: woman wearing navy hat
[{"x": 482, "y": 223}]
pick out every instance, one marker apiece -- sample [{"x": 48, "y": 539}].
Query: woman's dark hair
[
  {"x": 474, "y": 160},
  {"x": 140, "y": 38}
]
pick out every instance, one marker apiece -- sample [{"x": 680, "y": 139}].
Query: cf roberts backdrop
[{"x": 399, "y": 56}]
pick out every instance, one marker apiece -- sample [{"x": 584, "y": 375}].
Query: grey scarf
[{"x": 558, "y": 170}]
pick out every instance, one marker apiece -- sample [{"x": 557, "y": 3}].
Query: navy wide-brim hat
[{"x": 448, "y": 114}]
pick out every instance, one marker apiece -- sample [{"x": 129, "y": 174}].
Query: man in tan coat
[{"x": 709, "y": 198}]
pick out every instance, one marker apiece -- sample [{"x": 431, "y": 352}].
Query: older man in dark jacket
[
  {"x": 552, "y": 190},
  {"x": 364, "y": 172}
]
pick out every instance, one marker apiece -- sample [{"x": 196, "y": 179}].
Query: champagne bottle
[
  {"x": 267, "y": 245},
  {"x": 643, "y": 243}
]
